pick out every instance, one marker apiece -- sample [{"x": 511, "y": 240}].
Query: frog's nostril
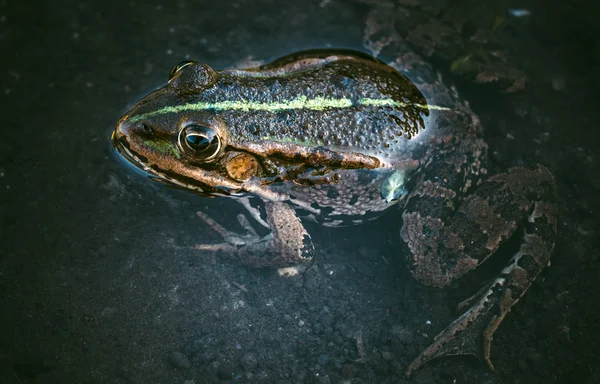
[{"x": 147, "y": 129}]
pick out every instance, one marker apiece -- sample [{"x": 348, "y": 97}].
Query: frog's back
[{"x": 341, "y": 100}]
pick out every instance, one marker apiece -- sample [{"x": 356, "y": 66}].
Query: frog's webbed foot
[
  {"x": 286, "y": 245},
  {"x": 233, "y": 241},
  {"x": 472, "y": 332}
]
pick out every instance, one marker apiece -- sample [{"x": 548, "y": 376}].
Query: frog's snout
[
  {"x": 126, "y": 131},
  {"x": 121, "y": 129},
  {"x": 121, "y": 133},
  {"x": 120, "y": 140}
]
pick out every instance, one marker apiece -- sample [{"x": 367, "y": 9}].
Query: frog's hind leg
[{"x": 522, "y": 192}]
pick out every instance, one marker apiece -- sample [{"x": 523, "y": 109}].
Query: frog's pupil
[{"x": 198, "y": 142}]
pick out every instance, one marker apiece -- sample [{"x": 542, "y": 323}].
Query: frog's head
[{"x": 176, "y": 135}]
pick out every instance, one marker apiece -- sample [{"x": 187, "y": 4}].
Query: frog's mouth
[
  {"x": 120, "y": 144},
  {"x": 242, "y": 168},
  {"x": 182, "y": 179},
  {"x": 313, "y": 169},
  {"x": 226, "y": 187}
]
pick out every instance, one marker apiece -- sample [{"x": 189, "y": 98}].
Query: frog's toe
[
  {"x": 232, "y": 238},
  {"x": 221, "y": 247},
  {"x": 233, "y": 242},
  {"x": 470, "y": 334},
  {"x": 287, "y": 245}
]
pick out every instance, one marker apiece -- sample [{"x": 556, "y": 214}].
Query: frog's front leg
[
  {"x": 442, "y": 251},
  {"x": 286, "y": 245}
]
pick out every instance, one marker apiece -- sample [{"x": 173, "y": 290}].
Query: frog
[{"x": 338, "y": 137}]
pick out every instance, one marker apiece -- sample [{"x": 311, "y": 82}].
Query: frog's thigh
[
  {"x": 287, "y": 245},
  {"x": 442, "y": 251}
]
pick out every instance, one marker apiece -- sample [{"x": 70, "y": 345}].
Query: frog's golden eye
[
  {"x": 179, "y": 67},
  {"x": 200, "y": 141}
]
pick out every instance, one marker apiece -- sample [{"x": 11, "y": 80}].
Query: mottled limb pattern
[
  {"x": 442, "y": 251},
  {"x": 288, "y": 244}
]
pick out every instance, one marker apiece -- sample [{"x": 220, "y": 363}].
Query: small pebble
[
  {"x": 387, "y": 356},
  {"x": 558, "y": 83},
  {"x": 322, "y": 360}
]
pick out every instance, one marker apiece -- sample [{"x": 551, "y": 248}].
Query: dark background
[{"x": 98, "y": 281}]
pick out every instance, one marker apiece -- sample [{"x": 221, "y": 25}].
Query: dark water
[{"x": 98, "y": 281}]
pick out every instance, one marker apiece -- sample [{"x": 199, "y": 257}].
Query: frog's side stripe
[
  {"x": 316, "y": 104},
  {"x": 164, "y": 147}
]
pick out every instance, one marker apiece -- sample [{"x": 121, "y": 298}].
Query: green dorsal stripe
[{"x": 316, "y": 104}]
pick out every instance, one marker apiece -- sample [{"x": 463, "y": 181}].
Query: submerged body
[{"x": 339, "y": 136}]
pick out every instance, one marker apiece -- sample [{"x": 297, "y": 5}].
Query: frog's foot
[
  {"x": 288, "y": 243},
  {"x": 472, "y": 332},
  {"x": 469, "y": 301},
  {"x": 467, "y": 334},
  {"x": 233, "y": 241}
]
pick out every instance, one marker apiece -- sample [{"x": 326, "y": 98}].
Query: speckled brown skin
[
  {"x": 519, "y": 198},
  {"x": 472, "y": 46},
  {"x": 288, "y": 244},
  {"x": 330, "y": 165}
]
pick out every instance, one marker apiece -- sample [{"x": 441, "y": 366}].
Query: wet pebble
[
  {"x": 322, "y": 360},
  {"x": 179, "y": 360},
  {"x": 558, "y": 83},
  {"x": 249, "y": 361}
]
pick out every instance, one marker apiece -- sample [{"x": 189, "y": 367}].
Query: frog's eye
[
  {"x": 200, "y": 141},
  {"x": 179, "y": 67}
]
